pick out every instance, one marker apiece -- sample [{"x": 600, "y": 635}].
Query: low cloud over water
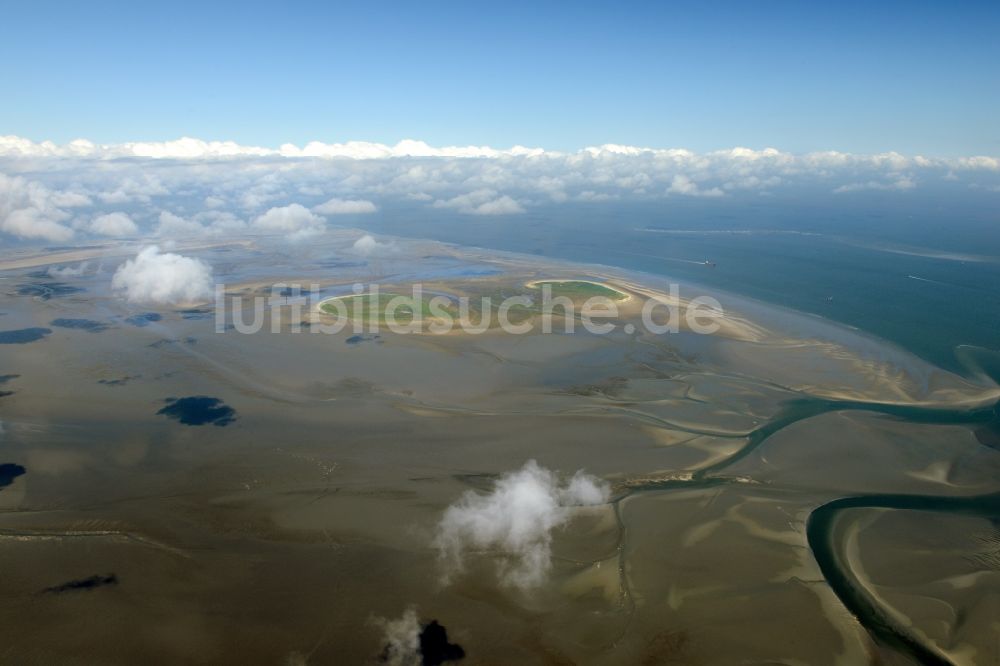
[{"x": 516, "y": 518}]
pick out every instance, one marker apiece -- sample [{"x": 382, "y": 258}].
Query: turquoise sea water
[{"x": 913, "y": 271}]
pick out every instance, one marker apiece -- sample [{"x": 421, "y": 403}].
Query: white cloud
[
  {"x": 481, "y": 202},
  {"x": 682, "y": 184},
  {"x": 141, "y": 187},
  {"x": 30, "y": 210},
  {"x": 294, "y": 219},
  {"x": 345, "y": 207},
  {"x": 219, "y": 222},
  {"x": 35, "y": 223},
  {"x": 175, "y": 226},
  {"x": 401, "y": 638},
  {"x": 69, "y": 271},
  {"x": 186, "y": 148},
  {"x": 978, "y": 162},
  {"x": 590, "y": 195},
  {"x": 500, "y": 206},
  {"x": 46, "y": 185},
  {"x": 205, "y": 223},
  {"x": 113, "y": 224},
  {"x": 70, "y": 199},
  {"x": 189, "y": 148},
  {"x": 367, "y": 246},
  {"x": 517, "y": 518},
  {"x": 899, "y": 183},
  {"x": 163, "y": 278}
]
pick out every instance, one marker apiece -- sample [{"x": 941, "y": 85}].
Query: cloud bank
[
  {"x": 189, "y": 187},
  {"x": 189, "y": 148},
  {"x": 516, "y": 519},
  {"x": 163, "y": 279}
]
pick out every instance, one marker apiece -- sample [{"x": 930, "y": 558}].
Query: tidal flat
[{"x": 284, "y": 536}]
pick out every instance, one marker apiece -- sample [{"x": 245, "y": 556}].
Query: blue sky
[{"x": 912, "y": 77}]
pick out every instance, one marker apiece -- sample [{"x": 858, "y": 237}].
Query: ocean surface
[{"x": 919, "y": 270}]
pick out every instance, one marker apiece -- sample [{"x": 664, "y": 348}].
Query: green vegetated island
[{"x": 370, "y": 307}]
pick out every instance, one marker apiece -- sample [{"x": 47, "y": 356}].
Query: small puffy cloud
[
  {"x": 70, "y": 200},
  {"x": 173, "y": 226},
  {"x": 682, "y": 184},
  {"x": 261, "y": 192},
  {"x": 140, "y": 187},
  {"x": 220, "y": 222},
  {"x": 367, "y": 246},
  {"x": 401, "y": 638},
  {"x": 482, "y": 202},
  {"x": 981, "y": 162},
  {"x": 113, "y": 224},
  {"x": 294, "y": 219},
  {"x": 345, "y": 207},
  {"x": 205, "y": 223},
  {"x": 501, "y": 206},
  {"x": 406, "y": 148},
  {"x": 163, "y": 278},
  {"x": 590, "y": 195},
  {"x": 36, "y": 223},
  {"x": 517, "y": 518},
  {"x": 408, "y": 642},
  {"x": 69, "y": 271},
  {"x": 30, "y": 210}
]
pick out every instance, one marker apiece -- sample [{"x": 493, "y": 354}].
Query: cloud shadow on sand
[{"x": 199, "y": 410}]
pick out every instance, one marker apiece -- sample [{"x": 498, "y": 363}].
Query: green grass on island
[
  {"x": 579, "y": 290},
  {"x": 373, "y": 308}
]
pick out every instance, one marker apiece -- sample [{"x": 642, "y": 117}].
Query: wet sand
[{"x": 276, "y": 532}]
